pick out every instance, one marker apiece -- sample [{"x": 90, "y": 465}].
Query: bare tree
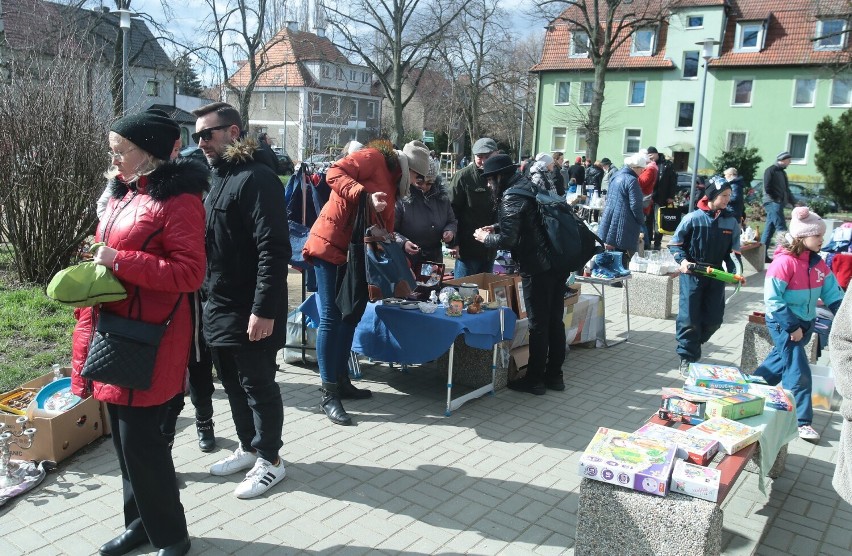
[
  {"x": 393, "y": 37},
  {"x": 600, "y": 27}
]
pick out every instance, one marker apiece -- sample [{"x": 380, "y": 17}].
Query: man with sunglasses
[{"x": 248, "y": 249}]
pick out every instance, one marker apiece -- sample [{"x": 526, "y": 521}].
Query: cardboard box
[
  {"x": 697, "y": 450},
  {"x": 696, "y": 480},
  {"x": 717, "y": 376},
  {"x": 59, "y": 437},
  {"x": 735, "y": 407},
  {"x": 487, "y": 283},
  {"x": 518, "y": 360}
]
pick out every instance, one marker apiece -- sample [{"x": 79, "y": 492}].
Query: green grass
[{"x": 35, "y": 331}]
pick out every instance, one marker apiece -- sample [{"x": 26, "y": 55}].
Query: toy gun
[{"x": 716, "y": 274}]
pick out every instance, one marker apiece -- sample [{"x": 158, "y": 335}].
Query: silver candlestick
[{"x": 20, "y": 437}]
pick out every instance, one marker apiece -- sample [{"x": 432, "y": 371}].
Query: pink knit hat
[{"x": 806, "y": 223}]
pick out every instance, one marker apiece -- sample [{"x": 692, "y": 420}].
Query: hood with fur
[{"x": 181, "y": 175}]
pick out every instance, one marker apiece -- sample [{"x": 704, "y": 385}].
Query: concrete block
[
  {"x": 754, "y": 259},
  {"x": 650, "y": 295},
  {"x": 615, "y": 521},
  {"x": 757, "y": 343},
  {"x": 472, "y": 367},
  {"x": 753, "y": 465}
]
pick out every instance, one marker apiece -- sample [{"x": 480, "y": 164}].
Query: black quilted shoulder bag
[{"x": 124, "y": 350}]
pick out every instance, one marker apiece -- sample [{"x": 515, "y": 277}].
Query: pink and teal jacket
[{"x": 793, "y": 286}]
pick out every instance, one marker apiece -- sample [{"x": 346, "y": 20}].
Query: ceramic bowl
[{"x": 427, "y": 307}]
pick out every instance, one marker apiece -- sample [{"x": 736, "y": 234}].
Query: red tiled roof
[
  {"x": 792, "y": 26},
  {"x": 286, "y": 49}
]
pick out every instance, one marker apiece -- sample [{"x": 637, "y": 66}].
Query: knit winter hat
[
  {"x": 715, "y": 186},
  {"x": 151, "y": 132},
  {"x": 637, "y": 160},
  {"x": 544, "y": 158},
  {"x": 417, "y": 154},
  {"x": 806, "y": 223}
]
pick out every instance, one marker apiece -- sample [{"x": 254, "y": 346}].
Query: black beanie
[
  {"x": 715, "y": 186},
  {"x": 152, "y": 133}
]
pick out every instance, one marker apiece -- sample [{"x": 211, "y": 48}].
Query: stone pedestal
[
  {"x": 754, "y": 257},
  {"x": 757, "y": 343},
  {"x": 753, "y": 465},
  {"x": 651, "y": 295},
  {"x": 472, "y": 367}
]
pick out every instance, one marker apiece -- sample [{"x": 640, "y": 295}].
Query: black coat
[
  {"x": 266, "y": 155},
  {"x": 776, "y": 188},
  {"x": 666, "y": 187},
  {"x": 248, "y": 250},
  {"x": 578, "y": 173},
  {"x": 520, "y": 231}
]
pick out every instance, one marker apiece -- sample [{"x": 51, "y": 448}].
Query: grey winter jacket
[{"x": 840, "y": 341}]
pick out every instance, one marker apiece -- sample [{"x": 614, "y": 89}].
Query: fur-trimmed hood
[{"x": 181, "y": 175}]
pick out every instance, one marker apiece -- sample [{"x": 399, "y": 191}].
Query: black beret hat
[
  {"x": 151, "y": 132},
  {"x": 497, "y": 164}
]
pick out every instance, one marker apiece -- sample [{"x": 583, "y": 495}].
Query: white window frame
[
  {"x": 572, "y": 51},
  {"x": 651, "y": 47},
  {"x": 796, "y": 81},
  {"x": 338, "y": 73},
  {"x": 677, "y": 123},
  {"x": 263, "y": 101},
  {"x": 352, "y": 75},
  {"x": 627, "y": 140},
  {"x": 315, "y": 139},
  {"x": 820, "y": 32},
  {"x": 732, "y": 132},
  {"x": 697, "y": 65},
  {"x": 325, "y": 71},
  {"x": 365, "y": 76},
  {"x": 556, "y": 100},
  {"x": 741, "y": 26},
  {"x": 581, "y": 137},
  {"x": 371, "y": 109},
  {"x": 591, "y": 91},
  {"x": 790, "y": 135},
  {"x": 316, "y": 104},
  {"x": 335, "y": 106},
  {"x": 554, "y": 146},
  {"x": 353, "y": 113},
  {"x": 734, "y": 83},
  {"x": 630, "y": 92},
  {"x": 848, "y": 94},
  {"x": 690, "y": 26},
  {"x": 152, "y": 88}
]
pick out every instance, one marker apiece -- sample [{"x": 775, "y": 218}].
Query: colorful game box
[
  {"x": 629, "y": 460},
  {"x": 717, "y": 376},
  {"x": 730, "y": 435},
  {"x": 696, "y": 480},
  {"x": 774, "y": 396},
  {"x": 679, "y": 404},
  {"x": 696, "y": 450},
  {"x": 735, "y": 406}
]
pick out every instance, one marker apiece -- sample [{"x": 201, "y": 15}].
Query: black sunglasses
[
  {"x": 206, "y": 134},
  {"x": 420, "y": 178}
]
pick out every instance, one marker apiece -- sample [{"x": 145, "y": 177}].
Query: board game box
[
  {"x": 695, "y": 449},
  {"x": 717, "y": 376},
  {"x": 731, "y": 435},
  {"x": 680, "y": 404},
  {"x": 629, "y": 460},
  {"x": 774, "y": 396},
  {"x": 736, "y": 406},
  {"x": 696, "y": 480}
]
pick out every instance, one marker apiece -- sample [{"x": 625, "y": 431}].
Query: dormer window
[
  {"x": 325, "y": 71},
  {"x": 643, "y": 42},
  {"x": 579, "y": 44},
  {"x": 830, "y": 34},
  {"x": 749, "y": 36}
]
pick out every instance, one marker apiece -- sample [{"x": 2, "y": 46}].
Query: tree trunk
[{"x": 593, "y": 132}]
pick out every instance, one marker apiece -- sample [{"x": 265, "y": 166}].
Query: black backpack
[{"x": 572, "y": 243}]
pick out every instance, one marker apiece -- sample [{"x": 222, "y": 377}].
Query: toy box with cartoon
[
  {"x": 717, "y": 376},
  {"x": 696, "y": 450},
  {"x": 730, "y": 435},
  {"x": 679, "y": 404},
  {"x": 629, "y": 460},
  {"x": 774, "y": 396},
  {"x": 696, "y": 480},
  {"x": 735, "y": 406}
]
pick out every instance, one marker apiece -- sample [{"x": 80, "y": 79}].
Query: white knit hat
[{"x": 805, "y": 223}]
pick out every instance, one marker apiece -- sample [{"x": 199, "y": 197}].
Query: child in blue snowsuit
[
  {"x": 795, "y": 280},
  {"x": 706, "y": 235}
]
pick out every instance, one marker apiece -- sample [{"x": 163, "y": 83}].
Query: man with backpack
[{"x": 520, "y": 230}]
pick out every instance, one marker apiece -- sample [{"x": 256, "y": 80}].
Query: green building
[{"x": 779, "y": 67}]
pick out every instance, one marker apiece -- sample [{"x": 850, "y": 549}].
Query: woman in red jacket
[
  {"x": 153, "y": 229},
  {"x": 384, "y": 173}
]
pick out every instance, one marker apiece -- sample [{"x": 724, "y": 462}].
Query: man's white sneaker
[
  {"x": 261, "y": 478},
  {"x": 237, "y": 461},
  {"x": 807, "y": 432}
]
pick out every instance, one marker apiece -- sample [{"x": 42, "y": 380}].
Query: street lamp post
[
  {"x": 707, "y": 53},
  {"x": 124, "y": 23}
]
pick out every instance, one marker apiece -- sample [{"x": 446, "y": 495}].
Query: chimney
[
  {"x": 292, "y": 25},
  {"x": 319, "y": 31}
]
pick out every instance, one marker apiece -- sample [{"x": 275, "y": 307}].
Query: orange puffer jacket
[
  {"x": 158, "y": 231},
  {"x": 363, "y": 170}
]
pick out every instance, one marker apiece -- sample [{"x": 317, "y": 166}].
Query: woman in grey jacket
[
  {"x": 423, "y": 219},
  {"x": 840, "y": 341}
]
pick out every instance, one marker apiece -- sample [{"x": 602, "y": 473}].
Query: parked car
[
  {"x": 320, "y": 159},
  {"x": 802, "y": 195},
  {"x": 285, "y": 163},
  {"x": 193, "y": 152}
]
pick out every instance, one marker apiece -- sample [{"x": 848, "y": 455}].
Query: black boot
[
  {"x": 178, "y": 549},
  {"x": 132, "y": 538},
  {"x": 331, "y": 406},
  {"x": 347, "y": 391},
  {"x": 206, "y": 436}
]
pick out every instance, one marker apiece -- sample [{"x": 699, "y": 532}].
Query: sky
[{"x": 187, "y": 20}]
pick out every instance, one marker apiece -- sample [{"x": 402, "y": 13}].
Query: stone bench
[
  {"x": 754, "y": 256},
  {"x": 757, "y": 343},
  {"x": 472, "y": 366},
  {"x": 652, "y": 295}
]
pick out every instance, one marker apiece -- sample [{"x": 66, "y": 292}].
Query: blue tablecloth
[{"x": 389, "y": 333}]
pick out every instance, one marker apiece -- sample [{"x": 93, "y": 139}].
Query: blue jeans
[
  {"x": 774, "y": 222},
  {"x": 468, "y": 267},
  {"x": 787, "y": 363},
  {"x": 701, "y": 308},
  {"x": 334, "y": 337}
]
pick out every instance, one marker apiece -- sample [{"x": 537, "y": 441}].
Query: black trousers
[
  {"x": 248, "y": 376},
  {"x": 201, "y": 387},
  {"x": 151, "y": 494},
  {"x": 544, "y": 295}
]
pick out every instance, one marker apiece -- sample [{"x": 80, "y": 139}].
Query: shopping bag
[
  {"x": 668, "y": 219},
  {"x": 293, "y": 351}
]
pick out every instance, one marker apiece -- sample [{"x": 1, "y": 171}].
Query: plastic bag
[{"x": 294, "y": 338}]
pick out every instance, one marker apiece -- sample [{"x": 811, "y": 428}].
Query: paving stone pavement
[{"x": 499, "y": 476}]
